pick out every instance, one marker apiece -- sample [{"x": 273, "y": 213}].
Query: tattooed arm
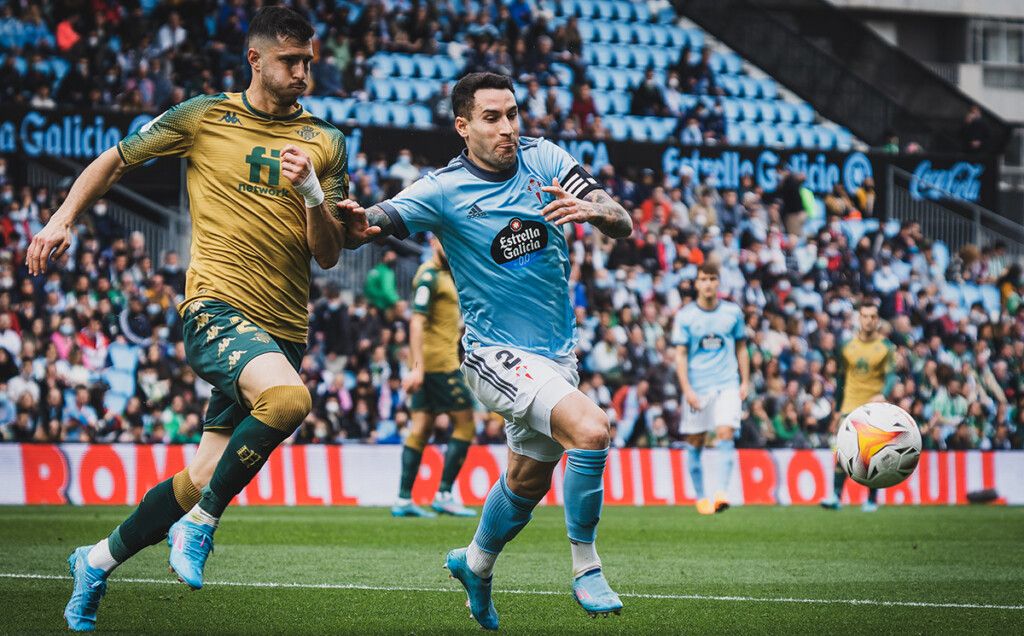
[
  {"x": 364, "y": 225},
  {"x": 596, "y": 207}
]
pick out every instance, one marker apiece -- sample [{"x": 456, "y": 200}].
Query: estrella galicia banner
[{"x": 81, "y": 136}]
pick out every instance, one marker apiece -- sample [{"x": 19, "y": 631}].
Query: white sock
[
  {"x": 480, "y": 561},
  {"x": 100, "y": 557},
  {"x": 584, "y": 558},
  {"x": 198, "y": 515}
]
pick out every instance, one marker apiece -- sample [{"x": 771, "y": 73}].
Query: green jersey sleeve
[
  {"x": 170, "y": 134},
  {"x": 423, "y": 291}
]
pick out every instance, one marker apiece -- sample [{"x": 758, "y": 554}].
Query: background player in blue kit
[
  {"x": 500, "y": 223},
  {"x": 713, "y": 366}
]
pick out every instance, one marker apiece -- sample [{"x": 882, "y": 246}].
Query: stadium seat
[
  {"x": 733, "y": 63},
  {"x": 400, "y": 115},
  {"x": 678, "y": 36},
  {"x": 425, "y": 66},
  {"x": 617, "y": 127},
  {"x": 123, "y": 357},
  {"x": 605, "y": 10},
  {"x": 602, "y": 102},
  {"x": 605, "y": 57},
  {"x": 380, "y": 114},
  {"x": 749, "y": 110},
  {"x": 115, "y": 402},
  {"x": 642, "y": 57},
  {"x": 382, "y": 65},
  {"x": 730, "y": 84},
  {"x": 563, "y": 72},
  {"x": 122, "y": 382},
  {"x": 750, "y": 134},
  {"x": 769, "y": 89},
  {"x": 339, "y": 109},
  {"x": 363, "y": 113},
  {"x": 620, "y": 79},
  {"x": 660, "y": 58},
  {"x": 787, "y": 136},
  {"x": 566, "y": 8},
  {"x": 786, "y": 112},
  {"x": 421, "y": 116},
  {"x": 766, "y": 110},
  {"x": 640, "y": 11},
  {"x": 564, "y": 98},
  {"x": 402, "y": 91},
  {"x": 604, "y": 32},
  {"x": 769, "y": 134},
  {"x": 423, "y": 89},
  {"x": 694, "y": 36},
  {"x": 659, "y": 35},
  {"x": 315, "y": 106},
  {"x": 379, "y": 88},
  {"x": 749, "y": 87},
  {"x": 731, "y": 109},
  {"x": 620, "y": 101},
  {"x": 623, "y": 33},
  {"x": 624, "y": 10},
  {"x": 638, "y": 130},
  {"x": 826, "y": 139},
  {"x": 586, "y": 29},
  {"x": 990, "y": 298},
  {"x": 805, "y": 113},
  {"x": 600, "y": 78},
  {"x": 623, "y": 56},
  {"x": 643, "y": 33},
  {"x": 404, "y": 65},
  {"x": 807, "y": 137}
]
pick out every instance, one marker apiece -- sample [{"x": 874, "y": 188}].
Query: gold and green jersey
[
  {"x": 435, "y": 296},
  {"x": 867, "y": 363},
  {"x": 248, "y": 224}
]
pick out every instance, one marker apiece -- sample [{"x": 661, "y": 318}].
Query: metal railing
[
  {"x": 163, "y": 228},
  {"x": 953, "y": 221},
  {"x": 354, "y": 265}
]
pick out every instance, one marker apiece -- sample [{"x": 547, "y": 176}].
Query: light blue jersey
[
  {"x": 710, "y": 339},
  {"x": 510, "y": 266}
]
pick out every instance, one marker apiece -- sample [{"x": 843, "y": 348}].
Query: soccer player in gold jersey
[
  {"x": 264, "y": 181},
  {"x": 436, "y": 386},
  {"x": 867, "y": 374}
]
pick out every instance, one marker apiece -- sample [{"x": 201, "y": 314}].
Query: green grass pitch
[{"x": 748, "y": 570}]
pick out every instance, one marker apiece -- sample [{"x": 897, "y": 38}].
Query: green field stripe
[{"x": 659, "y": 597}]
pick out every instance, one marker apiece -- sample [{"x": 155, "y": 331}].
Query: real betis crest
[{"x": 307, "y": 132}]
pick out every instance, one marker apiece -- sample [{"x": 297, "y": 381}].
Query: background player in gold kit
[
  {"x": 867, "y": 374},
  {"x": 436, "y": 386},
  {"x": 264, "y": 179}
]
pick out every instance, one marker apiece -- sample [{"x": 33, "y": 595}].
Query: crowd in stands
[
  {"x": 65, "y": 335},
  {"x": 146, "y": 57}
]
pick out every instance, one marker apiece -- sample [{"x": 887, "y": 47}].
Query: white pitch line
[{"x": 661, "y": 597}]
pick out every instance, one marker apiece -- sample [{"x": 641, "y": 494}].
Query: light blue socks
[
  {"x": 505, "y": 514},
  {"x": 696, "y": 469},
  {"x": 584, "y": 492},
  {"x": 727, "y": 448}
]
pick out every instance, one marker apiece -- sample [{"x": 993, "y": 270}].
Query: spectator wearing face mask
[{"x": 403, "y": 169}]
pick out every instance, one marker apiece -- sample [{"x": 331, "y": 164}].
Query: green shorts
[
  {"x": 442, "y": 393},
  {"x": 219, "y": 342}
]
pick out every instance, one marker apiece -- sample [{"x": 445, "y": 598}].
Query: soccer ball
[{"x": 878, "y": 445}]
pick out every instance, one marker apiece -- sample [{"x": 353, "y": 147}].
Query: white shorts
[
  {"x": 719, "y": 408},
  {"x": 523, "y": 388}
]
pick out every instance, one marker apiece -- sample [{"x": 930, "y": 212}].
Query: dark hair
[
  {"x": 867, "y": 303},
  {"x": 279, "y": 22},
  {"x": 709, "y": 268},
  {"x": 465, "y": 91}
]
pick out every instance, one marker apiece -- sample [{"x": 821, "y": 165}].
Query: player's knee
[
  {"x": 417, "y": 440},
  {"x": 201, "y": 472},
  {"x": 283, "y": 407},
  {"x": 592, "y": 432},
  {"x": 186, "y": 490}
]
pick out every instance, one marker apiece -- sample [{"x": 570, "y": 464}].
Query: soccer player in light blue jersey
[
  {"x": 499, "y": 209},
  {"x": 713, "y": 366}
]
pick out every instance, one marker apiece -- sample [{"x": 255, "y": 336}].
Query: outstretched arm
[
  {"x": 596, "y": 207},
  {"x": 55, "y": 238},
  {"x": 364, "y": 225}
]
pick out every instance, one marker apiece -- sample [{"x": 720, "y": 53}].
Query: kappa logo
[
  {"x": 518, "y": 243},
  {"x": 475, "y": 212},
  {"x": 307, "y": 132},
  {"x": 231, "y": 118}
]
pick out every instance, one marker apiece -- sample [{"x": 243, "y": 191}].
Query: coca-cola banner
[
  {"x": 81, "y": 136},
  {"x": 367, "y": 475}
]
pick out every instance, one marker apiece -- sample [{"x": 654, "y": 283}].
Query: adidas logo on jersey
[
  {"x": 475, "y": 212},
  {"x": 231, "y": 118}
]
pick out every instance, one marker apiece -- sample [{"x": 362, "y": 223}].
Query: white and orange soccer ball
[{"x": 878, "y": 445}]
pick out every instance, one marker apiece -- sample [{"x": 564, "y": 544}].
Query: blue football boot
[
  {"x": 478, "y": 589},
  {"x": 90, "y": 584},
  {"x": 191, "y": 544},
  {"x": 594, "y": 595}
]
